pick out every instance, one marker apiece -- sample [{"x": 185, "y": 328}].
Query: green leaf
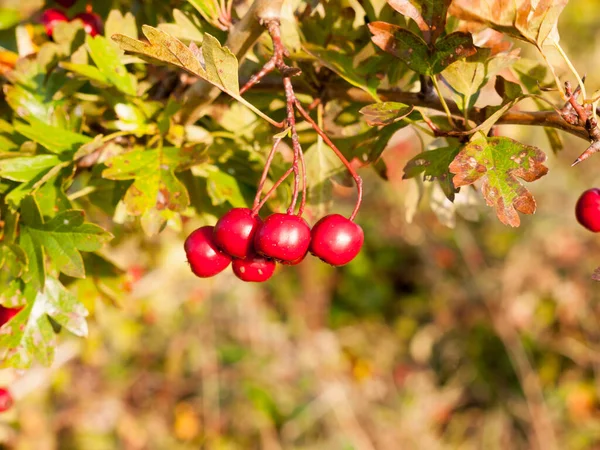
[
  {"x": 222, "y": 187},
  {"x": 25, "y": 168},
  {"x": 433, "y": 164},
  {"x": 453, "y": 47},
  {"x": 61, "y": 238},
  {"x": 468, "y": 76},
  {"x": 498, "y": 162},
  {"x": 29, "y": 336},
  {"x": 385, "y": 113},
  {"x": 213, "y": 63},
  {"x": 221, "y": 65},
  {"x": 344, "y": 66},
  {"x": 414, "y": 51},
  {"x": 54, "y": 139},
  {"x": 156, "y": 188},
  {"x": 86, "y": 71},
  {"x": 430, "y": 15},
  {"x": 107, "y": 59}
]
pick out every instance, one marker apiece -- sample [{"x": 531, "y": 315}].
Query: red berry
[
  {"x": 6, "y": 400},
  {"x": 254, "y": 268},
  {"x": 7, "y": 313},
  {"x": 51, "y": 17},
  {"x": 283, "y": 237},
  {"x": 336, "y": 240},
  {"x": 92, "y": 23},
  {"x": 234, "y": 232},
  {"x": 66, "y": 3},
  {"x": 587, "y": 210},
  {"x": 205, "y": 258}
]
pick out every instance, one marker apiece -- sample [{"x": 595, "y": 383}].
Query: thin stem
[
  {"x": 442, "y": 100},
  {"x": 340, "y": 155},
  {"x": 572, "y": 69},
  {"x": 263, "y": 178},
  {"x": 255, "y": 79},
  {"x": 291, "y": 121},
  {"x": 274, "y": 188}
]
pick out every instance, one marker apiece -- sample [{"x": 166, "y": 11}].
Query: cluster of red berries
[
  {"x": 587, "y": 210},
  {"x": 254, "y": 246},
  {"x": 92, "y": 23}
]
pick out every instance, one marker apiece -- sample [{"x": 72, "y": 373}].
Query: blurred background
[{"x": 474, "y": 336}]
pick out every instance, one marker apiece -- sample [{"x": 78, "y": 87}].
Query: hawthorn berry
[
  {"x": 587, "y": 209},
  {"x": 66, "y": 3},
  {"x": 336, "y": 240},
  {"x": 7, "y": 313},
  {"x": 205, "y": 258},
  {"x": 283, "y": 237},
  {"x": 92, "y": 23},
  {"x": 6, "y": 400},
  {"x": 51, "y": 17},
  {"x": 254, "y": 268},
  {"x": 234, "y": 232}
]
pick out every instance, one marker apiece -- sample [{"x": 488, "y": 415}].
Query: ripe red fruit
[
  {"x": 234, "y": 232},
  {"x": 51, "y": 17},
  {"x": 92, "y": 23},
  {"x": 254, "y": 268},
  {"x": 66, "y": 3},
  {"x": 205, "y": 258},
  {"x": 587, "y": 209},
  {"x": 336, "y": 240},
  {"x": 7, "y": 313},
  {"x": 6, "y": 400},
  {"x": 283, "y": 237}
]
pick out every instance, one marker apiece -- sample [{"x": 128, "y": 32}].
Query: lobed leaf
[
  {"x": 414, "y": 51},
  {"x": 61, "y": 238},
  {"x": 433, "y": 164},
  {"x": 108, "y": 61},
  {"x": 498, "y": 162},
  {"x": 29, "y": 336}
]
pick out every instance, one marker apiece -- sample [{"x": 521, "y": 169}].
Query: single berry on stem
[
  {"x": 234, "y": 232},
  {"x": 587, "y": 210},
  {"x": 6, "y": 400},
  {"x": 51, "y": 17},
  {"x": 254, "y": 268},
  {"x": 283, "y": 237},
  {"x": 205, "y": 258},
  {"x": 336, "y": 240},
  {"x": 92, "y": 23}
]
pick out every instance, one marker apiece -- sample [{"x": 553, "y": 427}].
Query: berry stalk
[
  {"x": 263, "y": 177},
  {"x": 339, "y": 154}
]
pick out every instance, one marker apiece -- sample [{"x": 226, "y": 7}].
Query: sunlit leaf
[
  {"x": 385, "y": 113},
  {"x": 499, "y": 162}
]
